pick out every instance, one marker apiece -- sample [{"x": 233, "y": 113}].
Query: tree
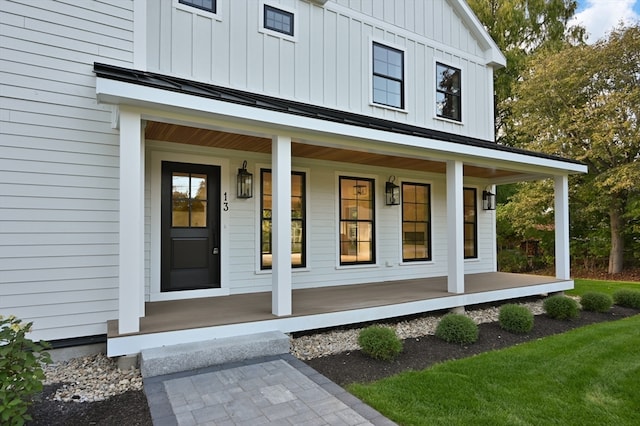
[
  {"x": 520, "y": 28},
  {"x": 584, "y": 102}
]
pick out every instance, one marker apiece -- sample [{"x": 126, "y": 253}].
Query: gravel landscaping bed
[{"x": 92, "y": 391}]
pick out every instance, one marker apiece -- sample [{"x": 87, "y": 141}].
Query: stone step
[{"x": 190, "y": 356}]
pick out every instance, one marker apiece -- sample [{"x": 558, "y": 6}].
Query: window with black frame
[
  {"x": 388, "y": 76},
  {"x": 298, "y": 209},
  {"x": 416, "y": 222},
  {"x": 470, "y": 223},
  {"x": 278, "y": 20},
  {"x": 357, "y": 221},
  {"x": 208, "y": 5},
  {"x": 448, "y": 92}
]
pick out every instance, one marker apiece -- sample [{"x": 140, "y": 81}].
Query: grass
[
  {"x": 588, "y": 376},
  {"x": 583, "y": 286}
]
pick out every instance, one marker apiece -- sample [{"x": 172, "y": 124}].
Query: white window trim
[
  {"x": 155, "y": 293},
  {"x": 267, "y": 31},
  {"x": 307, "y": 209},
  {"x": 378, "y": 201},
  {"x": 403, "y": 49},
  {"x": 201, "y": 12},
  {"x": 434, "y": 82}
]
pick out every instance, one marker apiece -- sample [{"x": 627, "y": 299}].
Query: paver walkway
[{"x": 278, "y": 390}]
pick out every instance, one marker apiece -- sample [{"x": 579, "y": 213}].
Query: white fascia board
[
  {"x": 300, "y": 127},
  {"x": 493, "y": 54}
]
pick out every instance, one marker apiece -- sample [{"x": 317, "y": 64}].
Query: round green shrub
[
  {"x": 515, "y": 318},
  {"x": 561, "y": 307},
  {"x": 457, "y": 328},
  {"x": 380, "y": 343},
  {"x": 627, "y": 298},
  {"x": 596, "y": 302}
]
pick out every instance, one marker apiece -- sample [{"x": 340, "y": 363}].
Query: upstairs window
[
  {"x": 208, "y": 5},
  {"x": 388, "y": 76},
  {"x": 278, "y": 20},
  {"x": 448, "y": 93}
]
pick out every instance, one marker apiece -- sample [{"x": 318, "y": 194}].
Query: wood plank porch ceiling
[{"x": 216, "y": 139}]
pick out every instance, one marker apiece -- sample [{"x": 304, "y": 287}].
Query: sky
[{"x": 600, "y": 16}]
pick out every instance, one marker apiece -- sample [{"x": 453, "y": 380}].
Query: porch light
[
  {"x": 392, "y": 192},
  {"x": 488, "y": 200},
  {"x": 245, "y": 182}
]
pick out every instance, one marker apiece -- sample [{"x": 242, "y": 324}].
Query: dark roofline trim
[{"x": 225, "y": 94}]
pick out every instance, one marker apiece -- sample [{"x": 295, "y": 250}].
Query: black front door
[{"x": 190, "y": 227}]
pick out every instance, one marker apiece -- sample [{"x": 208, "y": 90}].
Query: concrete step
[{"x": 190, "y": 356}]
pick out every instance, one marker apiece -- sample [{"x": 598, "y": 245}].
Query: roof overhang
[
  {"x": 201, "y": 105},
  {"x": 493, "y": 54}
]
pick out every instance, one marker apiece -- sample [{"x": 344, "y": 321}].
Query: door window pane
[{"x": 189, "y": 200}]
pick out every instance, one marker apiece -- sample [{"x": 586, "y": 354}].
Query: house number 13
[{"x": 225, "y": 203}]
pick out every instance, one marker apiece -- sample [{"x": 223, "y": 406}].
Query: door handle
[{"x": 215, "y": 250}]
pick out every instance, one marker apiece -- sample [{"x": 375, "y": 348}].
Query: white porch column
[
  {"x": 281, "y": 221},
  {"x": 455, "y": 227},
  {"x": 131, "y": 245},
  {"x": 561, "y": 192}
]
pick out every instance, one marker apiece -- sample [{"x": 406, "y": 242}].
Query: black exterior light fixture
[
  {"x": 392, "y": 192},
  {"x": 245, "y": 182},
  {"x": 488, "y": 200}
]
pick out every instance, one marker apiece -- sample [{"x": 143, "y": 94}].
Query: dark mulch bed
[
  {"x": 420, "y": 353},
  {"x": 131, "y": 408}
]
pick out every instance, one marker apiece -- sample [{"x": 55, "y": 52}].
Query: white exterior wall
[
  {"x": 59, "y": 164},
  {"x": 323, "y": 266},
  {"x": 329, "y": 61}
]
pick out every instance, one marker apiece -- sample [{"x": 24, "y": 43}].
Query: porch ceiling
[{"x": 211, "y": 138}]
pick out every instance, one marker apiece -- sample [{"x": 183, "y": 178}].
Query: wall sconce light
[
  {"x": 488, "y": 200},
  {"x": 392, "y": 192},
  {"x": 245, "y": 182}
]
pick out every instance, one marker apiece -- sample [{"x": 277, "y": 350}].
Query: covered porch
[{"x": 190, "y": 320}]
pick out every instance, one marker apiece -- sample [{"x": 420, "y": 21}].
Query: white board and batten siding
[
  {"x": 328, "y": 63},
  {"x": 59, "y": 164}
]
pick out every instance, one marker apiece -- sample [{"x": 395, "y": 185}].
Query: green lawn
[
  {"x": 588, "y": 376},
  {"x": 583, "y": 286}
]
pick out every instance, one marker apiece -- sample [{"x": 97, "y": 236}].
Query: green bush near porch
[
  {"x": 457, "y": 328},
  {"x": 561, "y": 307},
  {"x": 594, "y": 301},
  {"x": 515, "y": 318},
  {"x": 380, "y": 343}
]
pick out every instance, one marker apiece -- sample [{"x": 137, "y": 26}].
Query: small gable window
[
  {"x": 208, "y": 5},
  {"x": 448, "y": 92},
  {"x": 278, "y": 20},
  {"x": 388, "y": 76}
]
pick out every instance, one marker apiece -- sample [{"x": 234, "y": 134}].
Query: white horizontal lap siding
[
  {"x": 59, "y": 164},
  {"x": 329, "y": 61}
]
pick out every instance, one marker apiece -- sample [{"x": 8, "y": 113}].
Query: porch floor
[{"x": 254, "y": 307}]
